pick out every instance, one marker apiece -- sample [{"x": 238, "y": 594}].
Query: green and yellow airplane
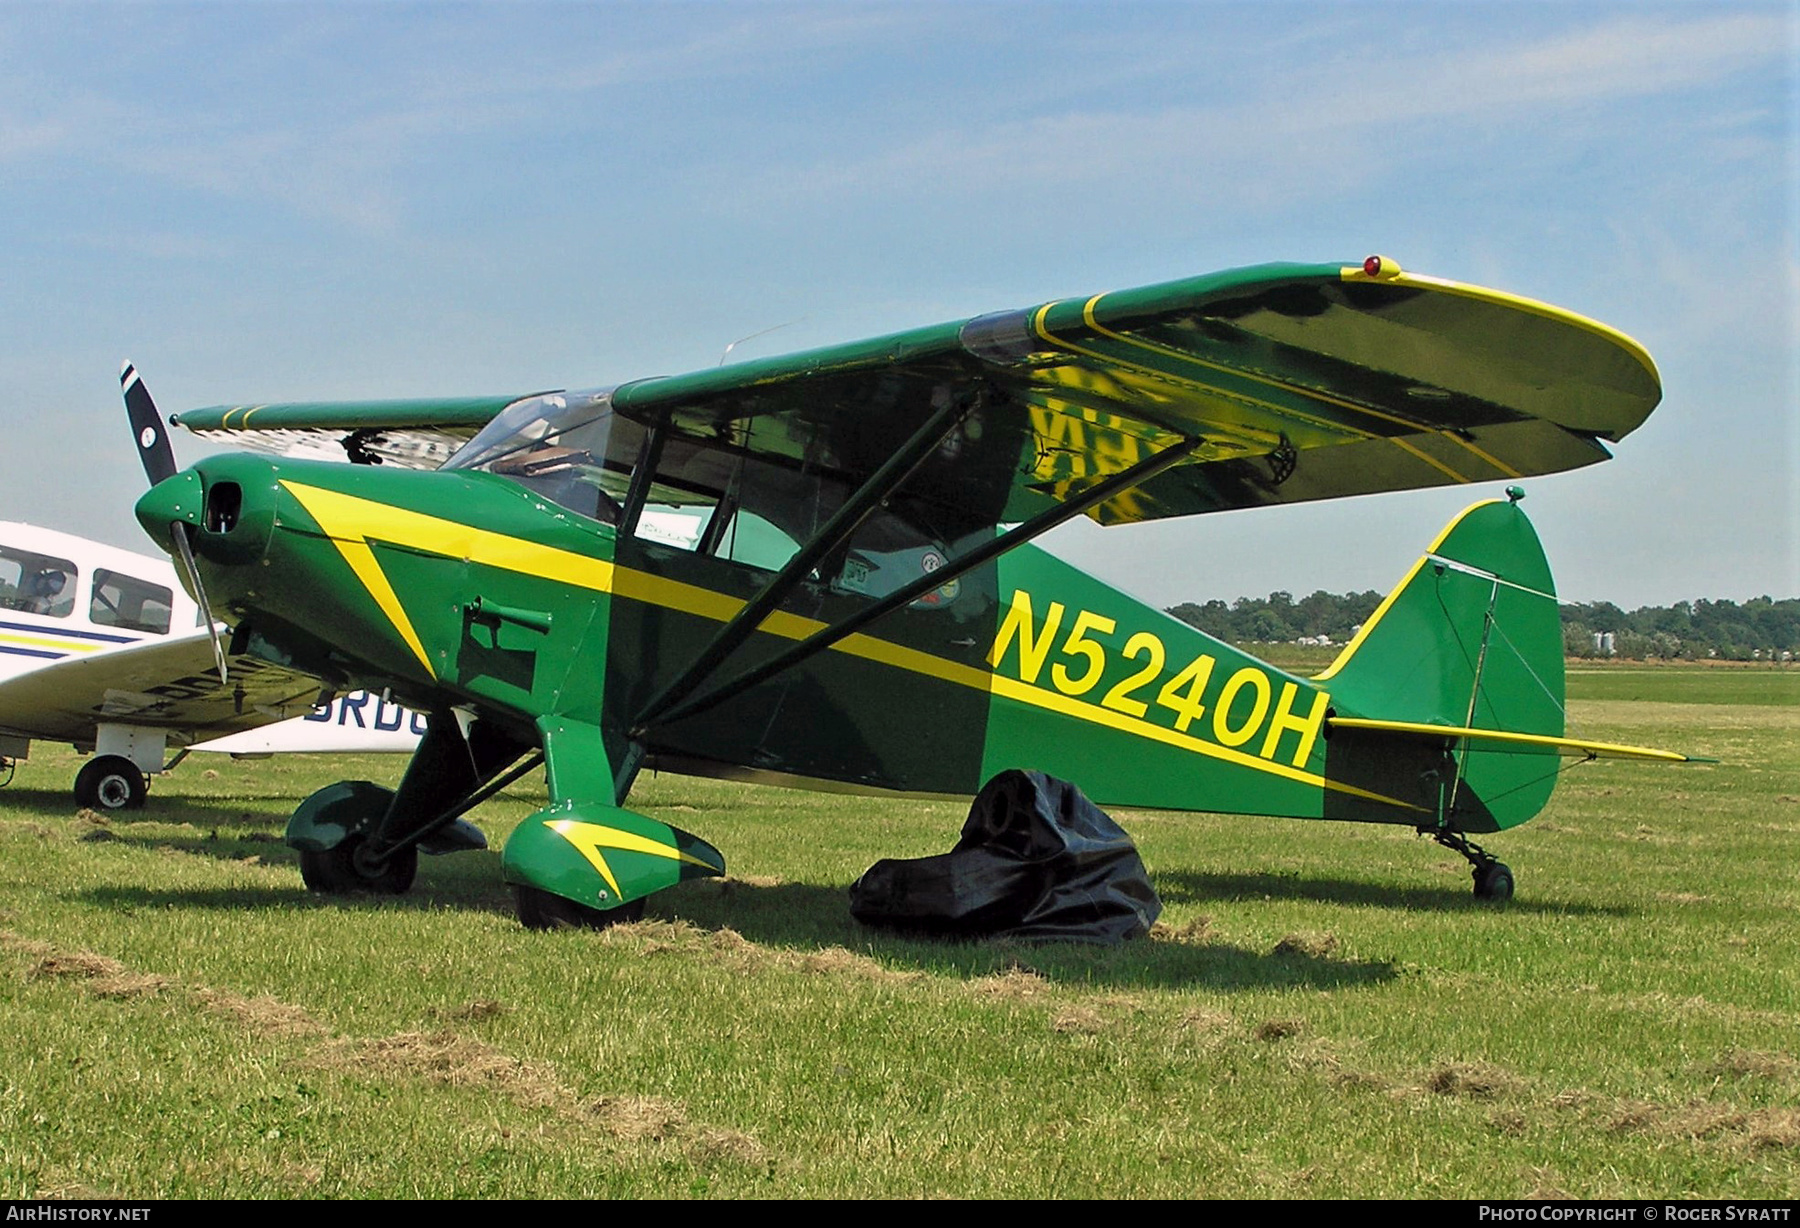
[{"x": 815, "y": 569}]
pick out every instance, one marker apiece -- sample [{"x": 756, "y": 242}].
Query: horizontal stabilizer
[{"x": 1572, "y": 747}]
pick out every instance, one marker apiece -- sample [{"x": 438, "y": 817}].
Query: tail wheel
[
  {"x": 111, "y": 782},
  {"x": 541, "y": 910},
  {"x": 347, "y": 867}
]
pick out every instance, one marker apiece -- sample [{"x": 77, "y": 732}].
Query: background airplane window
[
  {"x": 130, "y": 603},
  {"x": 36, "y": 583}
]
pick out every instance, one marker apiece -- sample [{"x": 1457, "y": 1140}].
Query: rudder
[{"x": 1472, "y": 637}]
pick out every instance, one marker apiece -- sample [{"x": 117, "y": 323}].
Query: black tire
[
  {"x": 541, "y": 910},
  {"x": 340, "y": 870},
  {"x": 111, "y": 782},
  {"x": 1493, "y": 881}
]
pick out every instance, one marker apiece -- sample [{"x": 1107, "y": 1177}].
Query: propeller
[
  {"x": 153, "y": 444},
  {"x": 158, "y": 457}
]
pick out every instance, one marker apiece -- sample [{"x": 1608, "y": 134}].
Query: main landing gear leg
[
  {"x": 1493, "y": 880},
  {"x": 357, "y": 836}
]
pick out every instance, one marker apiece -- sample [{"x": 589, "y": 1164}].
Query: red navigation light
[{"x": 1372, "y": 266}]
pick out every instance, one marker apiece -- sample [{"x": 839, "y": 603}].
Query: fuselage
[{"x": 468, "y": 589}]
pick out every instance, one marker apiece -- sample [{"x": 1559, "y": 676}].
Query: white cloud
[
  {"x": 1626, "y": 58},
  {"x": 1308, "y": 128}
]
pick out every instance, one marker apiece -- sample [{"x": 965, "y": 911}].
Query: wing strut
[
  {"x": 834, "y": 533},
  {"x": 1042, "y": 523}
]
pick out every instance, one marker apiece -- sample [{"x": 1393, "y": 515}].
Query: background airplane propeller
[{"x": 158, "y": 456}]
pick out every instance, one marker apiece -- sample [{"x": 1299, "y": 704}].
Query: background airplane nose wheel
[
  {"x": 1493, "y": 881},
  {"x": 347, "y": 867},
  {"x": 540, "y": 910},
  {"x": 111, "y": 782}
]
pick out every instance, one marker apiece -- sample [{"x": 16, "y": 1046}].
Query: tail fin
[{"x": 1472, "y": 638}]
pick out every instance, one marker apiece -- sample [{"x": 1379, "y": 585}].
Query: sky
[{"x": 295, "y": 202}]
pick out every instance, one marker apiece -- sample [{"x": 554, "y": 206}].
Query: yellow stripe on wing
[
  {"x": 1193, "y": 384},
  {"x": 1091, "y": 319}
]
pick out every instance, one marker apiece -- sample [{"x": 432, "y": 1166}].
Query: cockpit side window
[
  {"x": 765, "y": 509},
  {"x": 36, "y": 583},
  {"x": 135, "y": 605},
  {"x": 716, "y": 501}
]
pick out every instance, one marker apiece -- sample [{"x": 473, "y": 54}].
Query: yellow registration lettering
[
  {"x": 1307, "y": 726},
  {"x": 1121, "y": 697},
  {"x": 1078, "y": 645},
  {"x": 1256, "y": 680},
  {"x": 1181, "y": 694},
  {"x": 1018, "y": 621}
]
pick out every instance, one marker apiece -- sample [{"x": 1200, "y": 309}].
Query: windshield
[{"x": 555, "y": 444}]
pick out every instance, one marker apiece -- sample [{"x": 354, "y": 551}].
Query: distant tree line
[
  {"x": 1278, "y": 618},
  {"x": 1688, "y": 630}
]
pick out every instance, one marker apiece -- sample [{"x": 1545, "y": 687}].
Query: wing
[
  {"x": 1301, "y": 382},
  {"x": 416, "y": 434},
  {"x": 169, "y": 684}
]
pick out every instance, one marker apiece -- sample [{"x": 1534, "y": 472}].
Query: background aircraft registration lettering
[{"x": 347, "y": 710}]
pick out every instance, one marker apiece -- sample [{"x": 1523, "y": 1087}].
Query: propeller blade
[
  {"x": 184, "y": 553},
  {"x": 147, "y": 425}
]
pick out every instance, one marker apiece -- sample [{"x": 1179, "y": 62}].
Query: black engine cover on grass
[{"x": 1036, "y": 860}]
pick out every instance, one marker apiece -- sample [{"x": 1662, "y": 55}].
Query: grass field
[{"x": 1324, "y": 1011}]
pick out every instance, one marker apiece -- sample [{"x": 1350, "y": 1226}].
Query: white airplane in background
[{"x": 101, "y": 648}]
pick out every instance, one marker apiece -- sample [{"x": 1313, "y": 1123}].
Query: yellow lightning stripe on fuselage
[
  {"x": 704, "y": 603},
  {"x": 675, "y": 595},
  {"x": 352, "y": 523},
  {"x": 590, "y": 838}
]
